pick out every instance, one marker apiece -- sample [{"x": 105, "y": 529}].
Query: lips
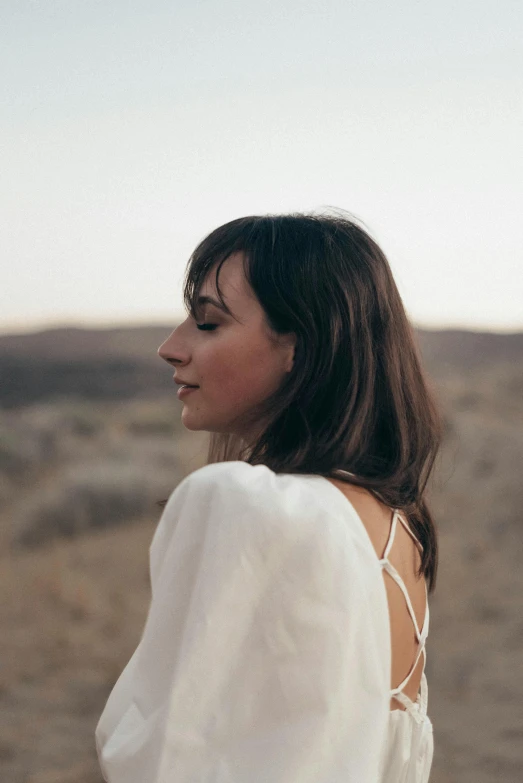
[{"x": 183, "y": 391}]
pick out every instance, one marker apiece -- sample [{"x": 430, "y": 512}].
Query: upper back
[{"x": 406, "y": 558}]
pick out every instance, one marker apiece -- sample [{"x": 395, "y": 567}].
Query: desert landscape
[{"x": 90, "y": 439}]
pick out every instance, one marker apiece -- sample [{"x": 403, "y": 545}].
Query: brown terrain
[{"x": 90, "y": 437}]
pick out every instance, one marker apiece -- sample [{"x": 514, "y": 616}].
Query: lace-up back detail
[
  {"x": 406, "y": 756},
  {"x": 417, "y": 709}
]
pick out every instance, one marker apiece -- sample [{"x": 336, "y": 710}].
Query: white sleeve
[{"x": 259, "y": 660}]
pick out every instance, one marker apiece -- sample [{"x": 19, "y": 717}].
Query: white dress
[{"x": 266, "y": 653}]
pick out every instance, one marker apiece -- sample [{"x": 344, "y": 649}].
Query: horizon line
[{"x": 14, "y": 329}]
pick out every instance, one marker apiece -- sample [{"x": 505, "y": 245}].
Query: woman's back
[{"x": 408, "y": 754}]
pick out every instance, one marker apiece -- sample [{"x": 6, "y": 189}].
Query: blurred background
[{"x": 129, "y": 131}]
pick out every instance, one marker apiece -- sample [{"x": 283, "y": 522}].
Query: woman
[{"x": 286, "y": 633}]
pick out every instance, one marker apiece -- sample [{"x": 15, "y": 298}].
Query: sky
[{"x": 129, "y": 130}]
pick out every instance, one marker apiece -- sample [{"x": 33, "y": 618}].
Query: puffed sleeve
[{"x": 259, "y": 659}]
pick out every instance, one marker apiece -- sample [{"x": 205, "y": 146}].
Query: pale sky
[{"x": 129, "y": 130}]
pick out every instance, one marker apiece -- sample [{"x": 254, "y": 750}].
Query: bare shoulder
[
  {"x": 376, "y": 518},
  {"x": 375, "y": 515}
]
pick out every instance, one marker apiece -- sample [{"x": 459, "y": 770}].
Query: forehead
[{"x": 232, "y": 282}]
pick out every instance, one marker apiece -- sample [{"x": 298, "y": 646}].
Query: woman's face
[{"x": 234, "y": 363}]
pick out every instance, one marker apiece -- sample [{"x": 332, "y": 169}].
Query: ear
[{"x": 289, "y": 341}]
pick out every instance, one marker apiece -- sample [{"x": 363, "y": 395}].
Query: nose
[
  {"x": 163, "y": 354},
  {"x": 172, "y": 350}
]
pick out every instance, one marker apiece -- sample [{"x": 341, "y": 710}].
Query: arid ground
[{"x": 81, "y": 466}]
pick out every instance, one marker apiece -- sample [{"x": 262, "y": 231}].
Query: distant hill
[
  {"x": 123, "y": 363},
  {"x": 457, "y": 349},
  {"x": 91, "y": 364}
]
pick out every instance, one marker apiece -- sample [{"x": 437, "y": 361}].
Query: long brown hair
[{"x": 357, "y": 397}]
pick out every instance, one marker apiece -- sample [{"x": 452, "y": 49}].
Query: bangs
[
  {"x": 213, "y": 251},
  {"x": 196, "y": 275}
]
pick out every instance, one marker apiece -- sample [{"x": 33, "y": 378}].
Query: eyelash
[{"x": 206, "y": 327}]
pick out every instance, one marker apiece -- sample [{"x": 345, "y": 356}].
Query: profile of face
[{"x": 236, "y": 362}]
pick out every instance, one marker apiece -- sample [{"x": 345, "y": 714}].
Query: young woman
[{"x": 285, "y": 641}]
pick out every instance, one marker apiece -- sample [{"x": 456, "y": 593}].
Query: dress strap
[
  {"x": 421, "y": 636},
  {"x": 390, "y": 539},
  {"x": 409, "y": 531},
  {"x": 417, "y": 709},
  {"x": 387, "y": 565},
  {"x": 395, "y": 516}
]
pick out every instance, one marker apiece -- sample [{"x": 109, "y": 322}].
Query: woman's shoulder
[
  {"x": 217, "y": 474},
  {"x": 256, "y": 510},
  {"x": 235, "y": 471},
  {"x": 242, "y": 497},
  {"x": 239, "y": 484}
]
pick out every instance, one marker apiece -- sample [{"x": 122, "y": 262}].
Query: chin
[
  {"x": 196, "y": 423},
  {"x": 193, "y": 426}
]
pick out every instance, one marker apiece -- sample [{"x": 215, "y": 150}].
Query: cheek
[{"x": 240, "y": 372}]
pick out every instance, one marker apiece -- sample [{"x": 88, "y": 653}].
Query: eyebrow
[{"x": 203, "y": 300}]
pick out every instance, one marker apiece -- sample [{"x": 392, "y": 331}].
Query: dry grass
[{"x": 74, "y": 614}]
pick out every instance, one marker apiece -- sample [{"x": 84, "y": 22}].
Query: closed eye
[{"x": 207, "y": 327}]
